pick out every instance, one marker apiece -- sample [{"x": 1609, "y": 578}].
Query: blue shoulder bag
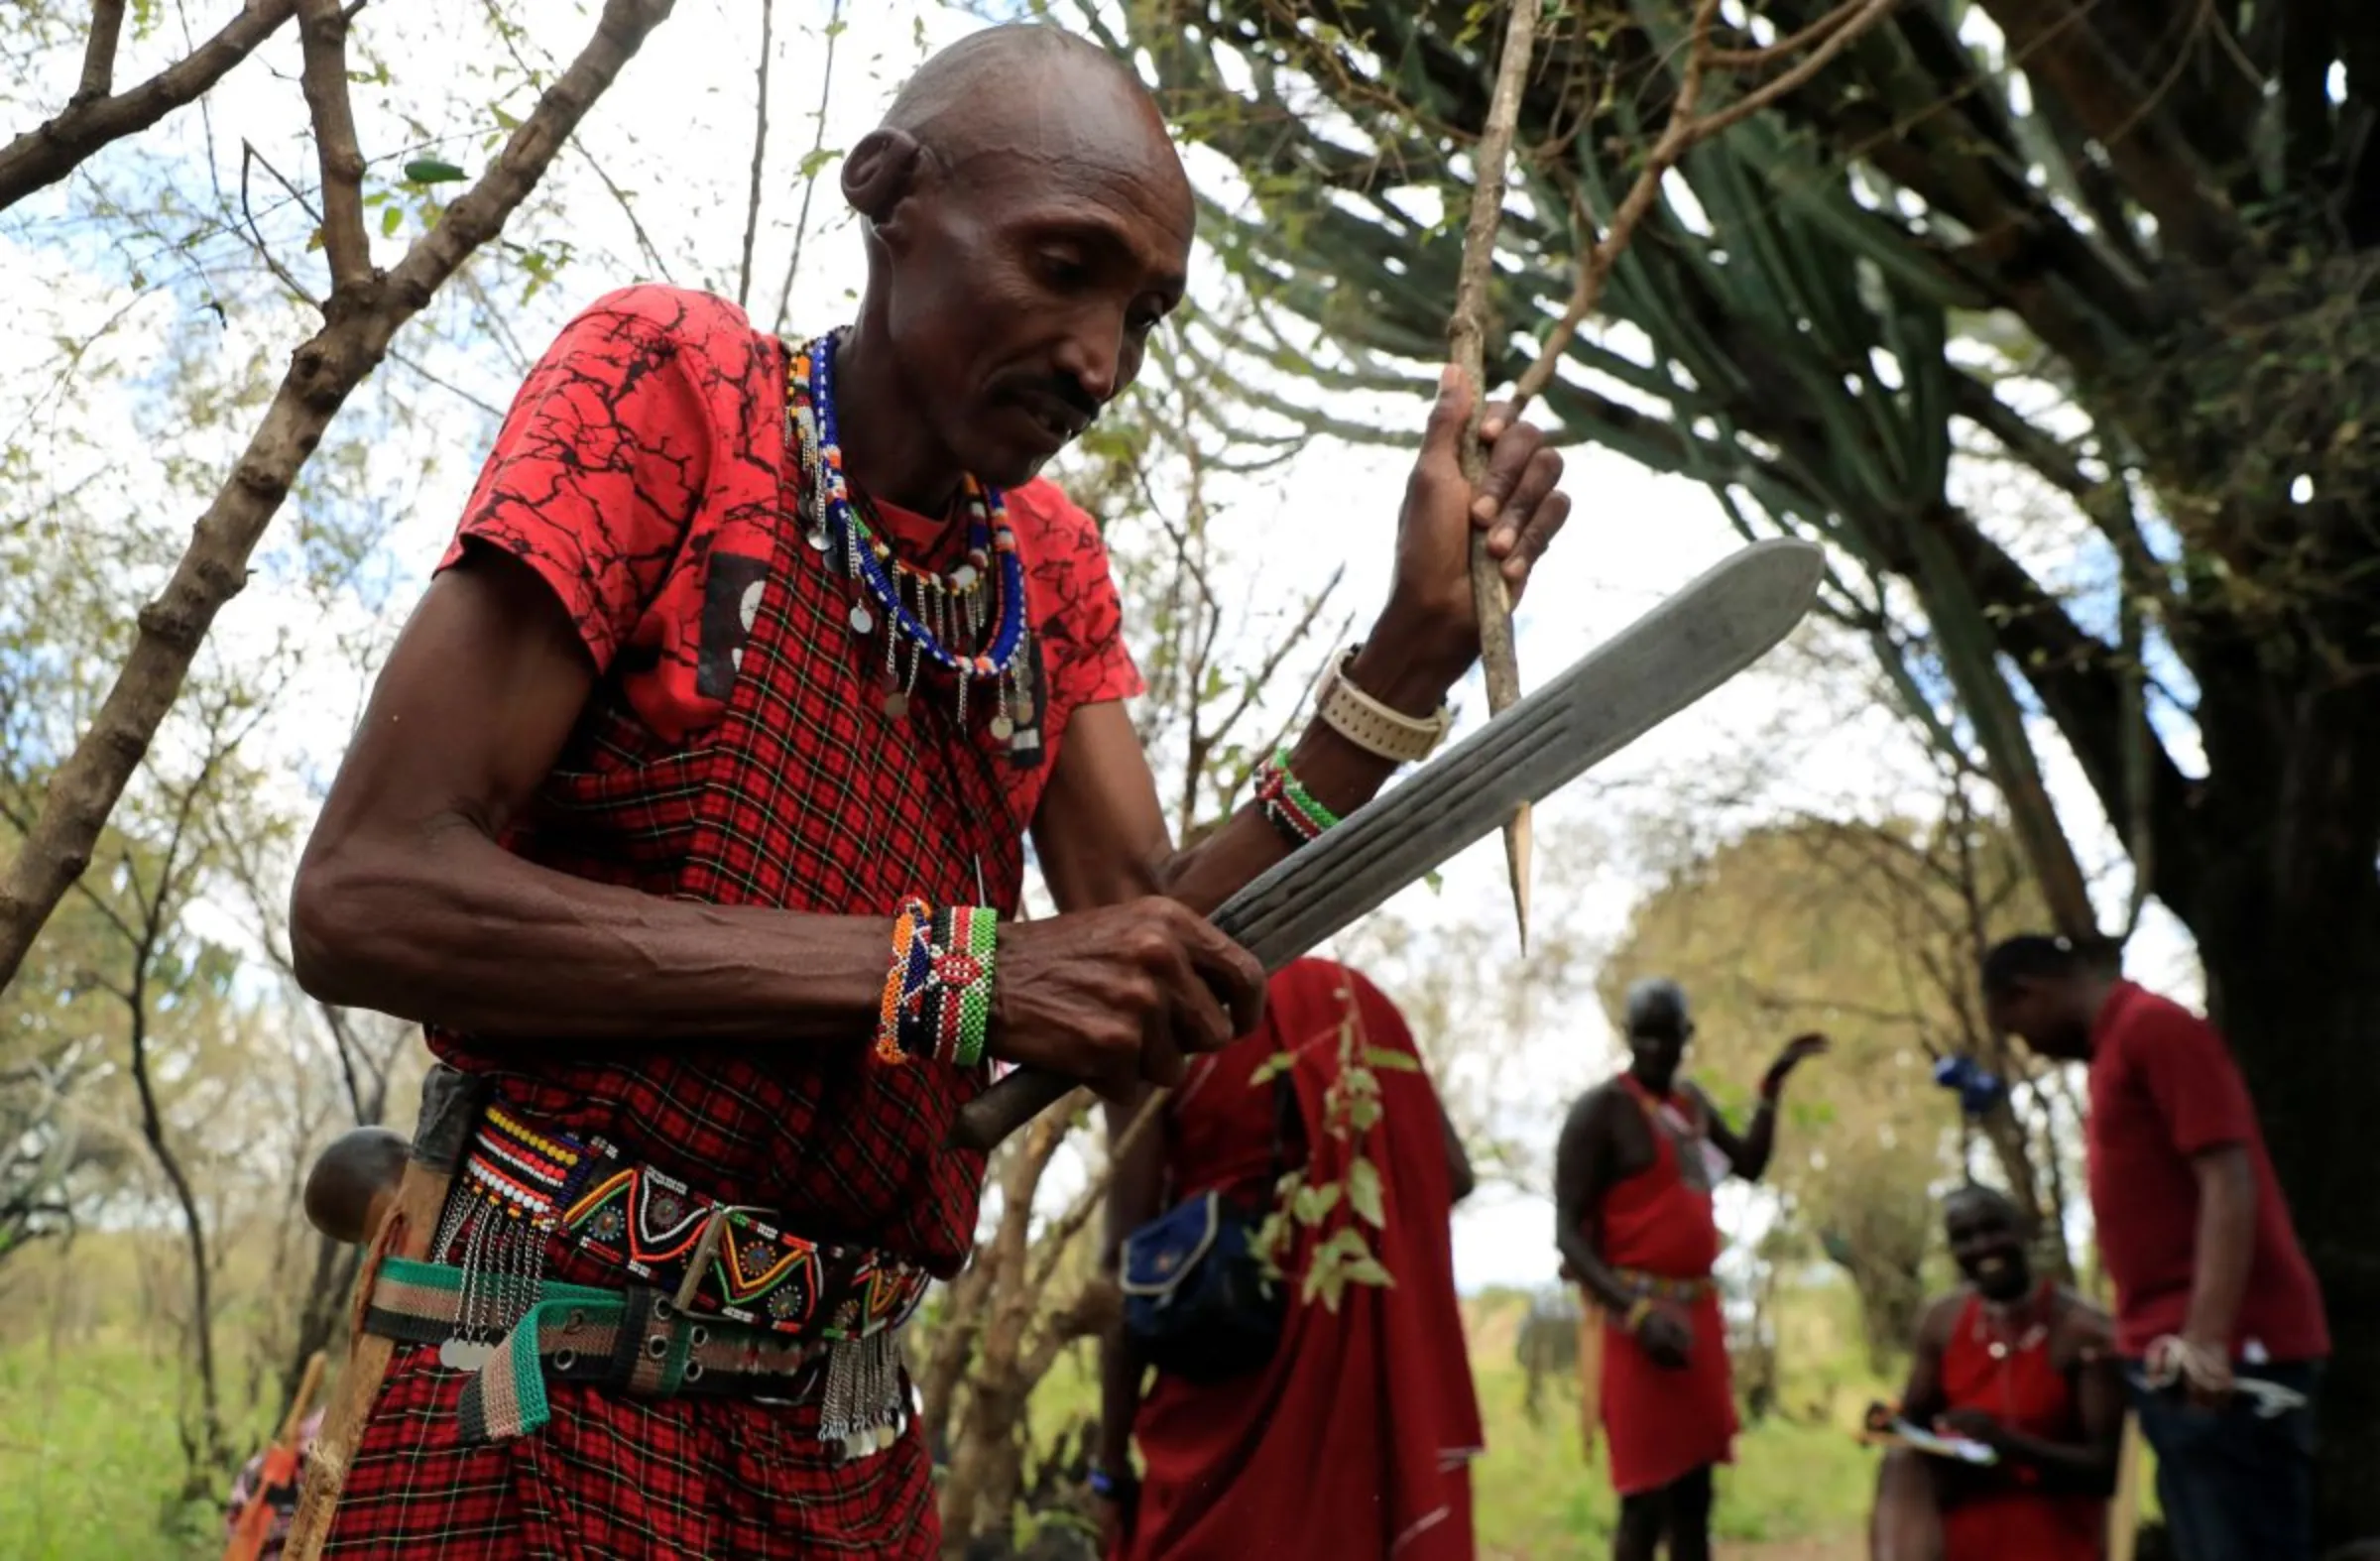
[{"x": 1196, "y": 1299}]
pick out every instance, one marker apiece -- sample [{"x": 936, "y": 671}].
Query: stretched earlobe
[{"x": 879, "y": 173}]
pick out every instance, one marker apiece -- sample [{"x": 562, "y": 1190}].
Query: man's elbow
[
  {"x": 337, "y": 929},
  {"x": 2225, "y": 1172}
]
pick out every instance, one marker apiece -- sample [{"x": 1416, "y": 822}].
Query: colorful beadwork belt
[
  {"x": 631, "y": 1340},
  {"x": 767, "y": 1304},
  {"x": 1652, "y": 1286}
]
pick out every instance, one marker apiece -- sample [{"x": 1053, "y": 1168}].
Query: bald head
[
  {"x": 1025, "y": 66},
  {"x": 1028, "y": 223}
]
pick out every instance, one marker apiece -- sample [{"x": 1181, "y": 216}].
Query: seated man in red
[
  {"x": 1634, "y": 1178},
  {"x": 2027, "y": 1369}
]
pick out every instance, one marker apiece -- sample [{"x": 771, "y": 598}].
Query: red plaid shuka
[{"x": 736, "y": 753}]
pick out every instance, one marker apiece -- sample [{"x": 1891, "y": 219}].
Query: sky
[{"x": 678, "y": 131}]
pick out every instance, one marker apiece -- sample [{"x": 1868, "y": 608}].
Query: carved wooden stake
[{"x": 1467, "y": 334}]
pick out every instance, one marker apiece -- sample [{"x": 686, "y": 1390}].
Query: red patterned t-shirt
[{"x": 604, "y": 481}]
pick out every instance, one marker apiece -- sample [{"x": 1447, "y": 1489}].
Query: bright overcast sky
[{"x": 677, "y": 130}]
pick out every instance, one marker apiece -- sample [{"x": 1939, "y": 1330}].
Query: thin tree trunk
[
  {"x": 205, "y": 1443},
  {"x": 2296, "y": 989}
]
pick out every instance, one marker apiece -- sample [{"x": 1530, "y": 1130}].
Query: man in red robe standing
[
  {"x": 690, "y": 818},
  {"x": 1633, "y": 1177},
  {"x": 1354, "y": 1440}
]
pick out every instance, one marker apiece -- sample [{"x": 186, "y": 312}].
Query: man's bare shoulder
[
  {"x": 1939, "y": 1317},
  {"x": 1594, "y": 1108},
  {"x": 2085, "y": 1331}
]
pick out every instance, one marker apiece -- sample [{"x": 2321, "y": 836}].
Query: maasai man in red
[
  {"x": 2025, "y": 1368},
  {"x": 1354, "y": 1439},
  {"x": 1634, "y": 1178},
  {"x": 690, "y": 811}
]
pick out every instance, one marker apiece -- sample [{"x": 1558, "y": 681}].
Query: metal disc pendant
[
  {"x": 1003, "y": 728},
  {"x": 896, "y": 703},
  {"x": 1999, "y": 1350},
  {"x": 962, "y": 577},
  {"x": 464, "y": 1355},
  {"x": 820, "y": 541},
  {"x": 862, "y": 620}
]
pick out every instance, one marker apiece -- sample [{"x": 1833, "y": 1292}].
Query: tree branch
[
  {"x": 810, "y": 164},
  {"x": 324, "y": 372},
  {"x": 322, "y": 33},
  {"x": 760, "y": 153},
  {"x": 47, "y": 153},
  {"x": 99, "y": 53}
]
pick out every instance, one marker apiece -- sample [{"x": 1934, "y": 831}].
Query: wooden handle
[
  {"x": 306, "y": 1387},
  {"x": 1008, "y": 1105}
]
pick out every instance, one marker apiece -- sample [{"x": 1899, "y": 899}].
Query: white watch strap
[{"x": 1372, "y": 726}]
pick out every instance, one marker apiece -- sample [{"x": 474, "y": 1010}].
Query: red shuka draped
[
  {"x": 2026, "y": 1392},
  {"x": 1661, "y": 1424},
  {"x": 1356, "y": 1440}
]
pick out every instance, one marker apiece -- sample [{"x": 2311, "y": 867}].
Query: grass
[
  {"x": 1803, "y": 1482},
  {"x": 90, "y": 1467},
  {"x": 91, "y": 1470}
]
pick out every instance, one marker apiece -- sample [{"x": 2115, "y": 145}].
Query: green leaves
[
  {"x": 1364, "y": 1193},
  {"x": 432, "y": 170}
]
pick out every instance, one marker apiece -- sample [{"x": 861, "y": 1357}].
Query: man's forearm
[
  {"x": 2225, "y": 1247},
  {"x": 1335, "y": 772},
  {"x": 1596, "y": 1277},
  {"x": 464, "y": 935},
  {"x": 2064, "y": 1466}
]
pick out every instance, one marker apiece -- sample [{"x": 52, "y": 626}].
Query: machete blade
[{"x": 1717, "y": 625}]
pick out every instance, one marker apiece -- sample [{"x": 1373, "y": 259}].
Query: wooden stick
[
  {"x": 279, "y": 1466},
  {"x": 1590, "y": 1373},
  {"x": 2124, "y": 1513},
  {"x": 1467, "y": 332}
]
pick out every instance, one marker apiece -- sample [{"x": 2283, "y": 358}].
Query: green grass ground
[{"x": 90, "y": 1468}]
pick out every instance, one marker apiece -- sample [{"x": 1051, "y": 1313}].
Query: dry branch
[
  {"x": 99, "y": 53},
  {"x": 43, "y": 156},
  {"x": 322, "y": 38},
  {"x": 760, "y": 153},
  {"x": 324, "y": 372},
  {"x": 1499, "y": 662}
]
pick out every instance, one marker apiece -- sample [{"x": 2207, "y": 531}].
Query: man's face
[
  {"x": 1654, "y": 1056},
  {"x": 1026, "y": 279},
  {"x": 2046, "y": 1013},
  {"x": 1985, "y": 1246}
]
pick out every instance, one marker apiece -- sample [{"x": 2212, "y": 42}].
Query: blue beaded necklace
[{"x": 935, "y": 615}]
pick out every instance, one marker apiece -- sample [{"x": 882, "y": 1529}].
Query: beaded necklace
[{"x": 940, "y": 618}]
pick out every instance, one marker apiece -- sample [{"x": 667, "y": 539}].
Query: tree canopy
[{"x": 2054, "y": 320}]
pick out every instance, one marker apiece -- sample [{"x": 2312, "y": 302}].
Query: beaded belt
[
  {"x": 1653, "y": 1287},
  {"x": 767, "y": 1304}
]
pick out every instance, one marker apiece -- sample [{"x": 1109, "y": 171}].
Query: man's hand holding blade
[{"x": 1123, "y": 995}]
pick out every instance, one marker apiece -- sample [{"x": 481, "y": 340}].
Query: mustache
[{"x": 1056, "y": 394}]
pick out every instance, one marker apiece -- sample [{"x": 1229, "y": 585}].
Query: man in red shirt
[
  {"x": 2219, "y": 1318},
  {"x": 690, "y": 818}
]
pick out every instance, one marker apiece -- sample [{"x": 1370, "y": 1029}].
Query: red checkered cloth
[{"x": 737, "y": 753}]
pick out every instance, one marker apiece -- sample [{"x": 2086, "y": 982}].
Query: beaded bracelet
[
  {"x": 1288, "y": 806},
  {"x": 948, "y": 1015},
  {"x": 910, "y": 969}
]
